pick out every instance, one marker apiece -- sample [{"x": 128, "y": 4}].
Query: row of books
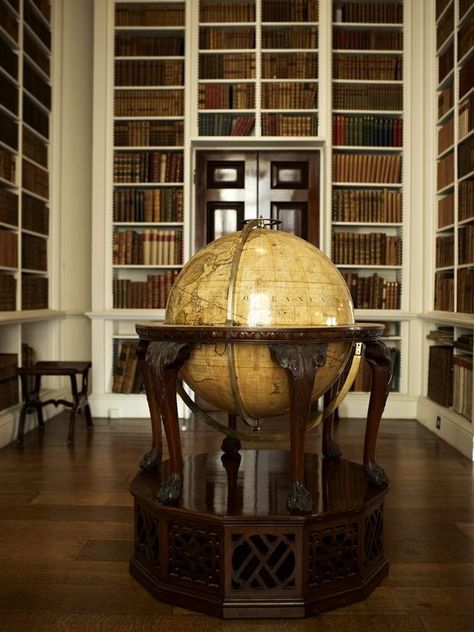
[
  {"x": 34, "y": 292},
  {"x": 8, "y": 249},
  {"x": 8, "y": 94},
  {"x": 37, "y": 25},
  {"x": 148, "y": 247},
  {"x": 372, "y": 292},
  {"x": 464, "y": 7},
  {"x": 235, "y": 96},
  {"x": 444, "y": 292},
  {"x": 290, "y": 10},
  {"x": 440, "y": 374},
  {"x": 466, "y": 77},
  {"x": 148, "y": 205},
  {"x": 148, "y": 166},
  {"x": 465, "y": 294},
  {"x": 8, "y": 60},
  {"x": 9, "y": 22},
  {"x": 8, "y": 207},
  {"x": 445, "y": 171},
  {"x": 148, "y": 133},
  {"x": 445, "y": 63},
  {"x": 225, "y": 125},
  {"x": 366, "y": 168},
  {"x": 466, "y": 244},
  {"x": 215, "y": 38},
  {"x": 343, "y": 38},
  {"x": 36, "y": 52},
  {"x": 290, "y": 95},
  {"x": 227, "y": 11},
  {"x": 34, "y": 255},
  {"x": 36, "y": 85},
  {"x": 126, "y": 376},
  {"x": 7, "y": 165},
  {"x": 462, "y": 385},
  {"x": 444, "y": 27},
  {"x": 35, "y": 179},
  {"x": 444, "y": 251},
  {"x": 369, "y": 12},
  {"x": 371, "y": 67},
  {"x": 366, "y": 249},
  {"x": 140, "y": 45},
  {"x": 150, "y": 294},
  {"x": 149, "y": 103},
  {"x": 466, "y": 157},
  {"x": 293, "y": 66},
  {"x": 35, "y": 116},
  {"x": 465, "y": 38},
  {"x": 289, "y": 124},
  {"x": 446, "y": 135},
  {"x": 227, "y": 66},
  {"x": 149, "y": 72},
  {"x": 35, "y": 214},
  {"x": 8, "y": 130},
  {"x": 9, "y": 394},
  {"x": 369, "y": 130},
  {"x": 466, "y": 116},
  {"x": 446, "y": 210},
  {"x": 356, "y": 205},
  {"x": 34, "y": 147},
  {"x": 290, "y": 37},
  {"x": 149, "y": 14},
  {"x": 7, "y": 292},
  {"x": 367, "y": 97},
  {"x": 466, "y": 199}
]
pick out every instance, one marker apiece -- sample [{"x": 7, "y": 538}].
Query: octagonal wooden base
[{"x": 231, "y": 549}]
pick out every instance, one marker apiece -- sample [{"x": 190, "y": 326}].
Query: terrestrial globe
[{"x": 257, "y": 277}]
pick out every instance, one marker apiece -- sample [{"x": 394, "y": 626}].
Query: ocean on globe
[{"x": 254, "y": 278}]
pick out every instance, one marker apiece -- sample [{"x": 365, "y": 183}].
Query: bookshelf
[
  {"x": 447, "y": 407},
  {"x": 25, "y": 111}
]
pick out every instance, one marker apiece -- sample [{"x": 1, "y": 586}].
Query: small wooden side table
[{"x": 32, "y": 401}]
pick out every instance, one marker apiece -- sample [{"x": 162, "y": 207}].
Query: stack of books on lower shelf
[
  {"x": 9, "y": 395},
  {"x": 440, "y": 375},
  {"x": 126, "y": 378}
]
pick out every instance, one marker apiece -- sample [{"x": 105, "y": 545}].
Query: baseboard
[
  {"x": 118, "y": 406},
  {"x": 397, "y": 407},
  {"x": 447, "y": 425}
]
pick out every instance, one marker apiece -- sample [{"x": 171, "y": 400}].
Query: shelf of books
[
  {"x": 258, "y": 68},
  {"x": 148, "y": 138},
  {"x": 25, "y": 106},
  {"x": 367, "y": 150}
]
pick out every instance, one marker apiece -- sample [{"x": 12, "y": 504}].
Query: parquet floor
[{"x": 66, "y": 535}]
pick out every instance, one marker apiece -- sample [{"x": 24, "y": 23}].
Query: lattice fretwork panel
[
  {"x": 373, "y": 535},
  {"x": 194, "y": 555},
  {"x": 332, "y": 553},
  {"x": 147, "y": 544},
  {"x": 263, "y": 561}
]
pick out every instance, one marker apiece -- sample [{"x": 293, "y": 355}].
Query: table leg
[
  {"x": 164, "y": 360},
  {"x": 151, "y": 459},
  {"x": 84, "y": 400},
  {"x": 74, "y": 409},
  {"x": 301, "y": 362},
  {"x": 378, "y": 357},
  {"x": 39, "y": 408},
  {"x": 331, "y": 450}
]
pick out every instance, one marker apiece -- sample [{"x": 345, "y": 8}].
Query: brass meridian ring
[{"x": 281, "y": 436}]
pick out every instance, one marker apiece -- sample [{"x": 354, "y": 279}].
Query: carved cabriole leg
[
  {"x": 330, "y": 448},
  {"x": 164, "y": 360},
  {"x": 301, "y": 362},
  {"x": 231, "y": 445},
  {"x": 151, "y": 459},
  {"x": 378, "y": 357}
]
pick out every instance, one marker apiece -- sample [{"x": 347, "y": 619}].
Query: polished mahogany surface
[{"x": 213, "y": 485}]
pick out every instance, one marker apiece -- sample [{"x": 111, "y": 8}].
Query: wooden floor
[{"x": 66, "y": 535}]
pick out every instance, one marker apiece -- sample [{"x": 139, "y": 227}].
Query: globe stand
[{"x": 212, "y": 546}]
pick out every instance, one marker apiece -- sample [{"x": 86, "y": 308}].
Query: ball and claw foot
[
  {"x": 333, "y": 451},
  {"x": 170, "y": 490},
  {"x": 376, "y": 474},
  {"x": 150, "y": 461},
  {"x": 299, "y": 499}
]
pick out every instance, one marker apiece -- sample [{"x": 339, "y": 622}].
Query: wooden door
[{"x": 234, "y": 186}]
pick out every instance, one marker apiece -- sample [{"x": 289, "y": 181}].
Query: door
[{"x": 235, "y": 186}]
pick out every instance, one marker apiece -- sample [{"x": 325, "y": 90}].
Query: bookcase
[
  {"x": 450, "y": 323},
  {"x": 25, "y": 108},
  {"x": 175, "y": 79}
]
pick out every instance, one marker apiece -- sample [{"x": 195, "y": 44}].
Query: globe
[{"x": 257, "y": 277}]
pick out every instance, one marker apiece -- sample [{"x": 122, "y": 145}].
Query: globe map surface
[{"x": 257, "y": 278}]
